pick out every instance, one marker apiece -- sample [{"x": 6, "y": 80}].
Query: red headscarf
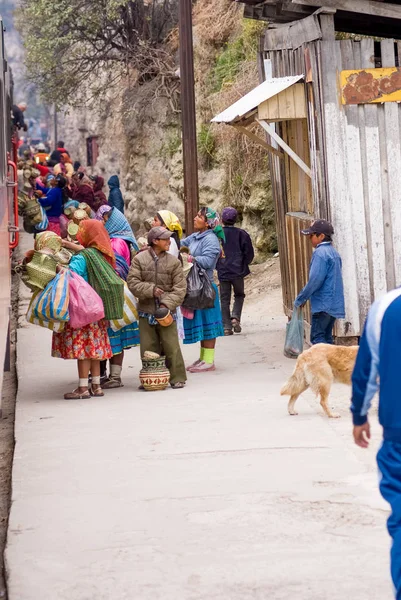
[{"x": 93, "y": 234}]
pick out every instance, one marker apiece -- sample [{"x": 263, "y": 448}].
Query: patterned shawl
[
  {"x": 105, "y": 282},
  {"x": 213, "y": 220},
  {"x": 118, "y": 227},
  {"x": 92, "y": 234}
]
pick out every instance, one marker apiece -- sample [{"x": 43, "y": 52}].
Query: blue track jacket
[
  {"x": 379, "y": 358},
  {"x": 325, "y": 286}
]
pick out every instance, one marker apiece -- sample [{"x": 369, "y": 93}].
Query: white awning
[{"x": 250, "y": 102}]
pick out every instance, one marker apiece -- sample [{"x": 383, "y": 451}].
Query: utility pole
[{"x": 188, "y": 117}]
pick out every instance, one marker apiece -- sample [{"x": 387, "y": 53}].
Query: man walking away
[
  {"x": 379, "y": 360},
  {"x": 156, "y": 278},
  {"x": 325, "y": 287},
  {"x": 232, "y": 268}
]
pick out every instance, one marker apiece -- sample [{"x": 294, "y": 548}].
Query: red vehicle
[{"x": 9, "y": 235}]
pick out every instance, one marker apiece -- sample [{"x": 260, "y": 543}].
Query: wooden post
[{"x": 188, "y": 115}]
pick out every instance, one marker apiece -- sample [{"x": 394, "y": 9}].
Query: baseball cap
[
  {"x": 158, "y": 233},
  {"x": 319, "y": 226}
]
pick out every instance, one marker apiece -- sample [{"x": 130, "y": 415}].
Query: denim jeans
[
  {"x": 322, "y": 328},
  {"x": 225, "y": 298}
]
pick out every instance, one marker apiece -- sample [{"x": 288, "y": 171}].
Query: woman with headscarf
[
  {"x": 123, "y": 242},
  {"x": 89, "y": 345},
  {"x": 100, "y": 197},
  {"x": 167, "y": 219},
  {"x": 84, "y": 191},
  {"x": 205, "y": 249},
  {"x": 53, "y": 203},
  {"x": 64, "y": 167}
]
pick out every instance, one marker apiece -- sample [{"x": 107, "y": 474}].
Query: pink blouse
[{"x": 121, "y": 247}]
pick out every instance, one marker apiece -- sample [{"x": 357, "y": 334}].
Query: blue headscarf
[{"x": 118, "y": 227}]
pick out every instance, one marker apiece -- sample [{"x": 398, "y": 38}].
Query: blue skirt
[
  {"x": 124, "y": 338},
  {"x": 207, "y": 323}
]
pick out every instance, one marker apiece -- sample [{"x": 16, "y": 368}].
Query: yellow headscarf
[{"x": 171, "y": 221}]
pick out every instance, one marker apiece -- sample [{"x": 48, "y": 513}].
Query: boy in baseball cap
[{"x": 325, "y": 288}]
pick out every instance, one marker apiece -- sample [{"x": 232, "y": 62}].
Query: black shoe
[{"x": 236, "y": 326}]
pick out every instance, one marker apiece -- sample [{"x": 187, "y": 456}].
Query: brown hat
[{"x": 158, "y": 233}]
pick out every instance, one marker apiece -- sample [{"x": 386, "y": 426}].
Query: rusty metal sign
[{"x": 370, "y": 86}]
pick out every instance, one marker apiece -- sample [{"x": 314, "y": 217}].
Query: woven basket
[
  {"x": 72, "y": 229},
  {"x": 85, "y": 207},
  {"x": 22, "y": 200},
  {"x": 33, "y": 212},
  {"x": 40, "y": 270},
  {"x": 48, "y": 239},
  {"x": 79, "y": 215}
]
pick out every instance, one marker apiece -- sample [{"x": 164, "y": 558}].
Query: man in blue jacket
[
  {"x": 325, "y": 286},
  {"x": 379, "y": 360},
  {"x": 232, "y": 268}
]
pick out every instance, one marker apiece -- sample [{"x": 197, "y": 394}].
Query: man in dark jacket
[
  {"x": 232, "y": 268},
  {"x": 115, "y": 196},
  {"x": 18, "y": 116},
  {"x": 55, "y": 156}
]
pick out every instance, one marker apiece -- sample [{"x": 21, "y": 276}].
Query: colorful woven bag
[
  {"x": 52, "y": 303},
  {"x": 130, "y": 312},
  {"x": 56, "y": 326}
]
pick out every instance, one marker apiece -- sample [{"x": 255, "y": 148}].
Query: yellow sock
[
  {"x": 208, "y": 355},
  {"x": 202, "y": 353}
]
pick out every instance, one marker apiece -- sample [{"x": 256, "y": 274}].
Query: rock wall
[{"x": 140, "y": 140}]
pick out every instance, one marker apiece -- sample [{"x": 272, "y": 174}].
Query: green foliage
[
  {"x": 76, "y": 46},
  {"x": 206, "y": 146},
  {"x": 235, "y": 52},
  {"x": 171, "y": 145}
]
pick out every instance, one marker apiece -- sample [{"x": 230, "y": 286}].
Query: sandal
[
  {"x": 97, "y": 392},
  {"x": 178, "y": 386},
  {"x": 112, "y": 382},
  {"x": 236, "y": 325},
  {"x": 76, "y": 395}
]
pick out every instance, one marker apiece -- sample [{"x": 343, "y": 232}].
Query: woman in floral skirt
[{"x": 90, "y": 344}]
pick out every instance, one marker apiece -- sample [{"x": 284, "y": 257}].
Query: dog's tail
[{"x": 296, "y": 383}]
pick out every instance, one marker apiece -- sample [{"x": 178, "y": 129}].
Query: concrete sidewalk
[{"x": 208, "y": 493}]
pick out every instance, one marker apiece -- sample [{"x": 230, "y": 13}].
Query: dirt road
[{"x": 211, "y": 492}]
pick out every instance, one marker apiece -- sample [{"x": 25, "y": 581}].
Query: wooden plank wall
[
  {"x": 363, "y": 155},
  {"x": 299, "y": 253},
  {"x": 356, "y": 175},
  {"x": 292, "y": 189}
]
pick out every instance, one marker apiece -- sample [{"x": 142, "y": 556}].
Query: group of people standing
[
  {"x": 103, "y": 246},
  {"x": 58, "y": 179}
]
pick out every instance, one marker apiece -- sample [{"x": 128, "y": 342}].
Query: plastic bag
[
  {"x": 52, "y": 303},
  {"x": 130, "y": 312},
  {"x": 85, "y": 305},
  {"x": 44, "y": 224},
  {"x": 200, "y": 292},
  {"x": 294, "y": 339},
  {"x": 56, "y": 326}
]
